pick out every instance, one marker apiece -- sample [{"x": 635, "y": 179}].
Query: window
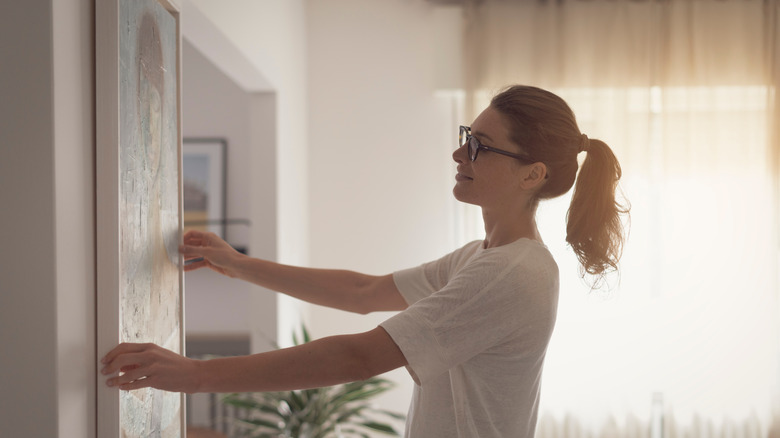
[{"x": 690, "y": 328}]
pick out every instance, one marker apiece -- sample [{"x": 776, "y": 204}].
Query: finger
[
  {"x": 133, "y": 374},
  {"x": 212, "y": 240},
  {"x": 137, "y": 384},
  {"x": 195, "y": 265},
  {"x": 193, "y": 241},
  {"x": 123, "y": 348},
  {"x": 191, "y": 251},
  {"x": 187, "y": 250},
  {"x": 191, "y": 260},
  {"x": 141, "y": 382},
  {"x": 128, "y": 360},
  {"x": 193, "y": 235},
  {"x": 127, "y": 368},
  {"x": 123, "y": 363}
]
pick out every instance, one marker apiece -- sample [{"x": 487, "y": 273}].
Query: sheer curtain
[{"x": 686, "y": 340}]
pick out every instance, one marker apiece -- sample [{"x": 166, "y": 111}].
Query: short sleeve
[
  {"x": 421, "y": 281},
  {"x": 493, "y": 297}
]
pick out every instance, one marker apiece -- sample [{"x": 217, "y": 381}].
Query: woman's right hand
[{"x": 212, "y": 251}]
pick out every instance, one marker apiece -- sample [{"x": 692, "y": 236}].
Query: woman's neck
[{"x": 503, "y": 227}]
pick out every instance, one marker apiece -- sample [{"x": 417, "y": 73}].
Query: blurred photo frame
[{"x": 205, "y": 180}]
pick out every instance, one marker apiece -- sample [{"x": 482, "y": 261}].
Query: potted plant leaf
[{"x": 338, "y": 411}]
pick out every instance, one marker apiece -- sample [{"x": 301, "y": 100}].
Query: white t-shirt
[{"x": 475, "y": 336}]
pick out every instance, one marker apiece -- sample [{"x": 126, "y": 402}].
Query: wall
[
  {"x": 380, "y": 166},
  {"x": 364, "y": 143},
  {"x": 215, "y": 106},
  {"x": 47, "y": 222},
  {"x": 272, "y": 35},
  {"x": 47, "y": 277},
  {"x": 28, "y": 265},
  {"x": 374, "y": 79}
]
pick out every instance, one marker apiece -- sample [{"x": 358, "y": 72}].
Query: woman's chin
[{"x": 462, "y": 196}]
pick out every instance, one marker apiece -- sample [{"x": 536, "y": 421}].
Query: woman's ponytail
[
  {"x": 593, "y": 224},
  {"x": 544, "y": 127}
]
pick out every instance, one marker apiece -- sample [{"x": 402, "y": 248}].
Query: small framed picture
[{"x": 204, "y": 162}]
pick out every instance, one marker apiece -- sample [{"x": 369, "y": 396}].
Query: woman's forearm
[
  {"x": 324, "y": 362},
  {"x": 339, "y": 289},
  {"x": 302, "y": 367}
]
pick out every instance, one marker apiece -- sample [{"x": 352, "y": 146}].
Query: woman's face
[{"x": 493, "y": 180}]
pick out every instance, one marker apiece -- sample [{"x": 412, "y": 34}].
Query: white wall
[
  {"x": 380, "y": 144},
  {"x": 372, "y": 69},
  {"x": 364, "y": 144},
  {"x": 28, "y": 263},
  {"x": 272, "y": 35},
  {"x": 47, "y": 223},
  {"x": 379, "y": 149},
  {"x": 215, "y": 106},
  {"x": 47, "y": 303}
]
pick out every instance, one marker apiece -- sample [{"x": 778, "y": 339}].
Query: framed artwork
[
  {"x": 139, "y": 203},
  {"x": 204, "y": 165}
]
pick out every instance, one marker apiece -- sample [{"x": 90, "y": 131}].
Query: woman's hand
[
  {"x": 148, "y": 365},
  {"x": 208, "y": 250}
]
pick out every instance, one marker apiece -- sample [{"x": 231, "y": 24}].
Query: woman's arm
[
  {"x": 339, "y": 289},
  {"x": 324, "y": 362}
]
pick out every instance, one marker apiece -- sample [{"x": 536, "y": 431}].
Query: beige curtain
[{"x": 686, "y": 342}]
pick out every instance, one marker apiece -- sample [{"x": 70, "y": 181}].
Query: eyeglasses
[{"x": 475, "y": 146}]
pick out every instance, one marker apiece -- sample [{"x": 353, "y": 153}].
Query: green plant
[{"x": 334, "y": 411}]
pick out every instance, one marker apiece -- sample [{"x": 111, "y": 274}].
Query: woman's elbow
[{"x": 380, "y": 294}]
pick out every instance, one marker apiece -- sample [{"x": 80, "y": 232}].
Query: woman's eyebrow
[{"x": 482, "y": 134}]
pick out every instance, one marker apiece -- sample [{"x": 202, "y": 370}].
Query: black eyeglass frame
[{"x": 465, "y": 137}]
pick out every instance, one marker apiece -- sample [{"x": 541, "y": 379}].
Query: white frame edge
[{"x": 107, "y": 206}]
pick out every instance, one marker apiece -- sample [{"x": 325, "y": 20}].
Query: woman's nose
[{"x": 459, "y": 155}]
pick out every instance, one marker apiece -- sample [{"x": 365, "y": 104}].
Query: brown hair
[{"x": 544, "y": 126}]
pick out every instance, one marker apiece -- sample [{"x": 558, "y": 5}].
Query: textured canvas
[{"x": 150, "y": 284}]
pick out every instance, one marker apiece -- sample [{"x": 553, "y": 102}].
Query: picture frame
[
  {"x": 205, "y": 184},
  {"x": 140, "y": 277}
]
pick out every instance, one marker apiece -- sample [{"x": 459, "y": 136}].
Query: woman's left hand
[{"x": 134, "y": 366}]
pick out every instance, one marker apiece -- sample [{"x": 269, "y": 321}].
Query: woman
[{"x": 473, "y": 326}]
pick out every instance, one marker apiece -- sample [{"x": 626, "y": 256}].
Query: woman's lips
[{"x": 462, "y": 177}]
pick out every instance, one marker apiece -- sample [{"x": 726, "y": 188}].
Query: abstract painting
[{"x": 149, "y": 282}]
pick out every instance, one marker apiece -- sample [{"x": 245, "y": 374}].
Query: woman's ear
[{"x": 534, "y": 176}]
